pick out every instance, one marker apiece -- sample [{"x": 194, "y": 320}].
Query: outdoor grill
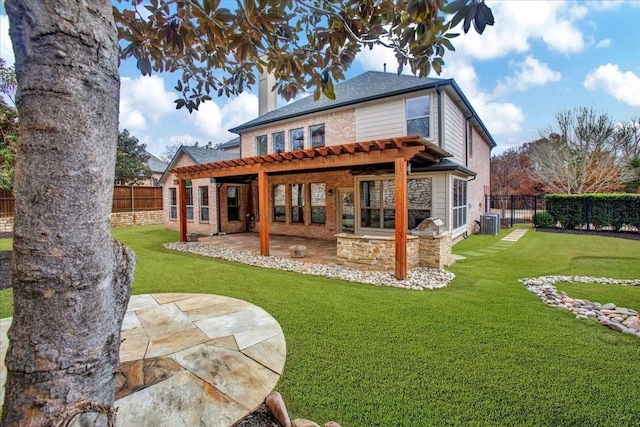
[{"x": 431, "y": 226}]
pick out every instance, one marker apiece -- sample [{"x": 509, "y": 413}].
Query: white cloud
[
  {"x": 6, "y": 49},
  {"x": 214, "y": 121},
  {"x": 520, "y": 22},
  {"x": 624, "y": 86},
  {"x": 529, "y": 73},
  {"x": 143, "y": 101},
  {"x": 603, "y": 43}
]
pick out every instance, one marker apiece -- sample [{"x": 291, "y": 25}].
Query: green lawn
[{"x": 482, "y": 352}]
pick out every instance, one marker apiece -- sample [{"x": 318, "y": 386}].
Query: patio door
[{"x": 346, "y": 212}]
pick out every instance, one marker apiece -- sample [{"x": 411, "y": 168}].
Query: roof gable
[{"x": 198, "y": 155}]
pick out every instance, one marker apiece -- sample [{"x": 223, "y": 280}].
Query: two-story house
[{"x": 386, "y": 144}]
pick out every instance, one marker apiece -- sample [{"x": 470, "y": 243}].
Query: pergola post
[
  {"x": 402, "y": 218},
  {"x": 182, "y": 212},
  {"x": 263, "y": 208}
]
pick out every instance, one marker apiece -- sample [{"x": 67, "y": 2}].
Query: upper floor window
[
  {"x": 261, "y": 145},
  {"x": 418, "y": 116},
  {"x": 316, "y": 133},
  {"x": 277, "y": 140},
  {"x": 296, "y": 136}
]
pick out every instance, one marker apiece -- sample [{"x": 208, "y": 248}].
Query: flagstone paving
[
  {"x": 505, "y": 243},
  {"x": 190, "y": 359}
]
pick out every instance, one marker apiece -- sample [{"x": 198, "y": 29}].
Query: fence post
[
  {"x": 486, "y": 203},
  {"x": 535, "y": 211},
  {"x": 513, "y": 208},
  {"x": 588, "y": 212}
]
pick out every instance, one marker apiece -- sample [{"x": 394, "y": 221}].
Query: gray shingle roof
[
  {"x": 365, "y": 87},
  {"x": 207, "y": 155},
  {"x": 155, "y": 164},
  {"x": 235, "y": 142}
]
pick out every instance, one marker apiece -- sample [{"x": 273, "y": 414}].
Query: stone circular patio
[{"x": 191, "y": 359}]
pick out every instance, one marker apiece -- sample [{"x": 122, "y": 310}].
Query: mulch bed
[{"x": 622, "y": 235}]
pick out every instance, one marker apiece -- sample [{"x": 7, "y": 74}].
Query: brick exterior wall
[
  {"x": 339, "y": 128},
  {"x": 479, "y": 161},
  {"x": 376, "y": 252},
  {"x": 333, "y": 180}
]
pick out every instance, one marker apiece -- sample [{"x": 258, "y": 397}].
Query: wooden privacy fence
[{"x": 125, "y": 199}]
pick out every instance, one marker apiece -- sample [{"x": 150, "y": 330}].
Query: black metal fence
[{"x": 521, "y": 209}]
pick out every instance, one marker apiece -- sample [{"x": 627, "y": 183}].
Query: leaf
[{"x": 454, "y": 6}]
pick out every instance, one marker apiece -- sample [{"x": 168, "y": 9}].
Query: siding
[
  {"x": 453, "y": 129},
  {"x": 377, "y": 121}
]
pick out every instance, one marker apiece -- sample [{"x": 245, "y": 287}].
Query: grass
[{"x": 482, "y": 352}]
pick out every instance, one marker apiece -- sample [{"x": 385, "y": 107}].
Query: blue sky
[{"x": 539, "y": 58}]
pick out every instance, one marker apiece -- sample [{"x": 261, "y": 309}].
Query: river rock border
[
  {"x": 419, "y": 278},
  {"x": 619, "y": 319}
]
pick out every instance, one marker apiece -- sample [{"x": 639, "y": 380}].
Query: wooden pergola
[{"x": 397, "y": 151}]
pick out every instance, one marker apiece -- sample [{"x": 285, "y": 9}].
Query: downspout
[
  {"x": 440, "y": 117},
  {"x": 218, "y": 187}
]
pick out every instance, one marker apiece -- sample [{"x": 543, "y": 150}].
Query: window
[
  {"x": 377, "y": 204},
  {"x": 316, "y": 133},
  {"x": 173, "y": 203},
  {"x": 189, "y": 194},
  {"x": 418, "y": 116},
  {"x": 233, "y": 203},
  {"x": 297, "y": 202},
  {"x": 318, "y": 203},
  {"x": 418, "y": 200},
  {"x": 279, "y": 209},
  {"x": 296, "y": 136},
  {"x": 203, "y": 198},
  {"x": 277, "y": 139},
  {"x": 459, "y": 203},
  {"x": 261, "y": 145}
]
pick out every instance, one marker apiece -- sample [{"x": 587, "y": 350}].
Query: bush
[
  {"x": 544, "y": 220},
  {"x": 602, "y": 211}
]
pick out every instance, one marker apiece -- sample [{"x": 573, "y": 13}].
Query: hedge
[{"x": 598, "y": 211}]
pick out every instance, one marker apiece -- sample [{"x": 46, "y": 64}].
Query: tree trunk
[{"x": 71, "y": 281}]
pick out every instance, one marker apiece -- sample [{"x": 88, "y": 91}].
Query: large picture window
[
  {"x": 173, "y": 203},
  {"x": 459, "y": 203},
  {"x": 316, "y": 133},
  {"x": 277, "y": 140},
  {"x": 203, "y": 197},
  {"x": 297, "y": 202},
  {"x": 279, "y": 200},
  {"x": 261, "y": 145},
  {"x": 418, "y": 116},
  {"x": 233, "y": 203},
  {"x": 377, "y": 204},
  {"x": 296, "y": 136},
  {"x": 318, "y": 203}
]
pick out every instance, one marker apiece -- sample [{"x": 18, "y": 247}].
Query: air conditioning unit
[{"x": 490, "y": 223}]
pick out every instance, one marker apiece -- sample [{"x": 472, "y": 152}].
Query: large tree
[
  {"x": 8, "y": 125},
  {"x": 71, "y": 281},
  {"x": 509, "y": 173},
  {"x": 579, "y": 154},
  {"x": 130, "y": 160}
]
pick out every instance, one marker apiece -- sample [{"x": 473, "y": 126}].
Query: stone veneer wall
[
  {"x": 378, "y": 252},
  {"x": 120, "y": 219},
  {"x": 6, "y": 224},
  {"x": 435, "y": 251}
]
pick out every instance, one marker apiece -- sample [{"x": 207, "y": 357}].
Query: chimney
[{"x": 266, "y": 96}]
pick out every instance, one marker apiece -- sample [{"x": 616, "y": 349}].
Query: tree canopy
[
  {"x": 306, "y": 44},
  {"x": 8, "y": 125},
  {"x": 130, "y": 160}
]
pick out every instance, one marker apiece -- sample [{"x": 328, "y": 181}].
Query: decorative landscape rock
[
  {"x": 300, "y": 422},
  {"x": 620, "y": 319},
  {"x": 278, "y": 408},
  {"x": 419, "y": 278}
]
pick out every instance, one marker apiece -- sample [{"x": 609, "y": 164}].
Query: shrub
[{"x": 544, "y": 220}]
